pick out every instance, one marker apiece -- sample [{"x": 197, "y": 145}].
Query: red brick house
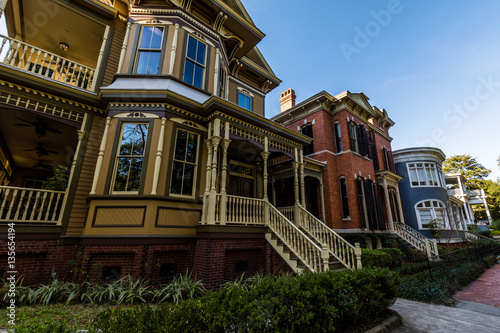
[{"x": 352, "y": 138}]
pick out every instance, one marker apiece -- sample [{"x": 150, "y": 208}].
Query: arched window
[
  {"x": 344, "y": 198},
  {"x": 430, "y": 210}
]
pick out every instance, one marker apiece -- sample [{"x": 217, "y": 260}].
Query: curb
[{"x": 387, "y": 325}]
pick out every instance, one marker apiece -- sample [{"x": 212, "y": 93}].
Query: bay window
[
  {"x": 194, "y": 67},
  {"x": 423, "y": 174},
  {"x": 184, "y": 166},
  {"x": 430, "y": 211},
  {"x": 149, "y": 50}
]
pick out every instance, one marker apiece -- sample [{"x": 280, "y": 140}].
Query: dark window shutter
[
  {"x": 308, "y": 131},
  {"x": 352, "y": 131},
  {"x": 345, "y": 198},
  {"x": 390, "y": 161},
  {"x": 380, "y": 212},
  {"x": 370, "y": 204},
  {"x": 361, "y": 201},
  {"x": 362, "y": 144}
]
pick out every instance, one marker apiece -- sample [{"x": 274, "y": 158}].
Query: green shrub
[
  {"x": 382, "y": 258},
  {"x": 303, "y": 303},
  {"x": 489, "y": 261}
]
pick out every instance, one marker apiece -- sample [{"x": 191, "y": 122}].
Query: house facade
[
  {"x": 428, "y": 205},
  {"x": 360, "y": 184},
  {"x": 156, "y": 108}
]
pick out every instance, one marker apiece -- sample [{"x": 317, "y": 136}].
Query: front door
[{"x": 241, "y": 179}]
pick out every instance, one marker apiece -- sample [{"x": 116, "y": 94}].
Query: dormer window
[
  {"x": 245, "y": 99},
  {"x": 149, "y": 50},
  {"x": 194, "y": 68}
]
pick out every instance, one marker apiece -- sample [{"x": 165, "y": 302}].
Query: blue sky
[{"x": 433, "y": 65}]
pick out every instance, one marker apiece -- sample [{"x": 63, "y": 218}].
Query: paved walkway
[
  {"x": 485, "y": 290},
  {"x": 477, "y": 310}
]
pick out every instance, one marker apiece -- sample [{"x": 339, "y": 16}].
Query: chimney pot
[{"x": 287, "y": 100}]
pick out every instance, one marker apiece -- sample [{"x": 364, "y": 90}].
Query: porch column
[
  {"x": 3, "y": 4},
  {"x": 265, "y": 155},
  {"x": 322, "y": 198},
  {"x": 400, "y": 207},
  {"x": 80, "y": 134},
  {"x": 124, "y": 46},
  {"x": 223, "y": 197},
  {"x": 213, "y": 193},
  {"x": 486, "y": 206},
  {"x": 100, "y": 157},
  {"x": 295, "y": 165},
  {"x": 174, "y": 50},
  {"x": 467, "y": 213},
  {"x": 159, "y": 154},
  {"x": 302, "y": 177},
  {"x": 388, "y": 203},
  {"x": 471, "y": 213},
  {"x": 99, "y": 58},
  {"x": 207, "y": 179}
]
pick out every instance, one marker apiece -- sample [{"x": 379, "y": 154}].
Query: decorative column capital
[
  {"x": 225, "y": 143},
  {"x": 265, "y": 155}
]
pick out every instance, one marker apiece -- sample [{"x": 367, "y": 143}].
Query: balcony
[
  {"x": 19, "y": 204},
  {"x": 41, "y": 63}
]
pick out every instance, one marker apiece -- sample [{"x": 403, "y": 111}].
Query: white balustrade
[
  {"x": 42, "y": 63},
  {"x": 288, "y": 212},
  {"x": 302, "y": 246},
  {"x": 19, "y": 204},
  {"x": 413, "y": 237},
  {"x": 471, "y": 236},
  {"x": 342, "y": 250},
  {"x": 242, "y": 210}
]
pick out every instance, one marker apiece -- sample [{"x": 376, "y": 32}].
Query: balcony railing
[
  {"x": 36, "y": 61},
  {"x": 18, "y": 204},
  {"x": 455, "y": 192}
]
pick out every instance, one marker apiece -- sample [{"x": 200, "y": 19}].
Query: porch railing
[
  {"x": 241, "y": 210},
  {"x": 42, "y": 63},
  {"x": 471, "y": 236},
  {"x": 288, "y": 212},
  {"x": 18, "y": 204},
  {"x": 311, "y": 255},
  {"x": 342, "y": 250},
  {"x": 415, "y": 238}
]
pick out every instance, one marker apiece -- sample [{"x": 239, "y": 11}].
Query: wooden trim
[
  {"x": 174, "y": 208},
  {"x": 96, "y": 208}
]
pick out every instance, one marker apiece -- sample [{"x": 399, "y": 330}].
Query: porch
[{"x": 66, "y": 50}]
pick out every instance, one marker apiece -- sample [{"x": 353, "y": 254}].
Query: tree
[
  {"x": 474, "y": 172},
  {"x": 493, "y": 192}
]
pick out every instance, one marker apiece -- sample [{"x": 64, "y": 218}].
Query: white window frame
[
  {"x": 427, "y": 168},
  {"x": 204, "y": 66},
  {"x": 244, "y": 92},
  {"x": 434, "y": 205}
]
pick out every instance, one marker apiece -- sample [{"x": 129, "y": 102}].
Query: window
[
  {"x": 358, "y": 138},
  {"x": 344, "y": 198},
  {"x": 194, "y": 68},
  {"x": 149, "y": 51},
  {"x": 168, "y": 270},
  {"x": 423, "y": 174},
  {"x": 222, "y": 83},
  {"x": 308, "y": 131},
  {"x": 110, "y": 274},
  {"x": 130, "y": 157},
  {"x": 388, "y": 160},
  {"x": 245, "y": 99},
  {"x": 338, "y": 139},
  {"x": 185, "y": 163},
  {"x": 428, "y": 211}
]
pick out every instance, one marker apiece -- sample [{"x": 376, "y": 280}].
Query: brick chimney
[{"x": 287, "y": 100}]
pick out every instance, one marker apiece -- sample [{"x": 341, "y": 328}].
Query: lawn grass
[{"x": 77, "y": 316}]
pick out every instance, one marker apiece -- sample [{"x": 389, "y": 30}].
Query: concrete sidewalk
[{"x": 423, "y": 317}]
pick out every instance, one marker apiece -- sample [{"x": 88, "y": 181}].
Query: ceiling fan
[
  {"x": 41, "y": 126},
  {"x": 40, "y": 164},
  {"x": 40, "y": 150}
]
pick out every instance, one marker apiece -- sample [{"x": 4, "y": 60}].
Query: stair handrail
[
  {"x": 469, "y": 235},
  {"x": 341, "y": 249},
  {"x": 311, "y": 255},
  {"x": 413, "y": 237}
]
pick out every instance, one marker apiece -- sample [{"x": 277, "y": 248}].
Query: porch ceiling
[
  {"x": 46, "y": 24},
  {"x": 59, "y": 144}
]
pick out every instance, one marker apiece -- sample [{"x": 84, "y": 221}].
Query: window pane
[
  {"x": 140, "y": 139},
  {"x": 192, "y": 147},
  {"x": 176, "y": 183},
  {"x": 421, "y": 176},
  {"x": 198, "y": 76},
  {"x": 180, "y": 146},
  {"x": 200, "y": 55},
  {"x": 425, "y": 216},
  {"x": 191, "y": 51},
  {"x": 154, "y": 63},
  {"x": 121, "y": 174},
  {"x": 189, "y": 72},
  {"x": 157, "y": 37},
  {"x": 142, "y": 63},
  {"x": 135, "y": 174},
  {"x": 146, "y": 37},
  {"x": 187, "y": 187},
  {"x": 127, "y": 139}
]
